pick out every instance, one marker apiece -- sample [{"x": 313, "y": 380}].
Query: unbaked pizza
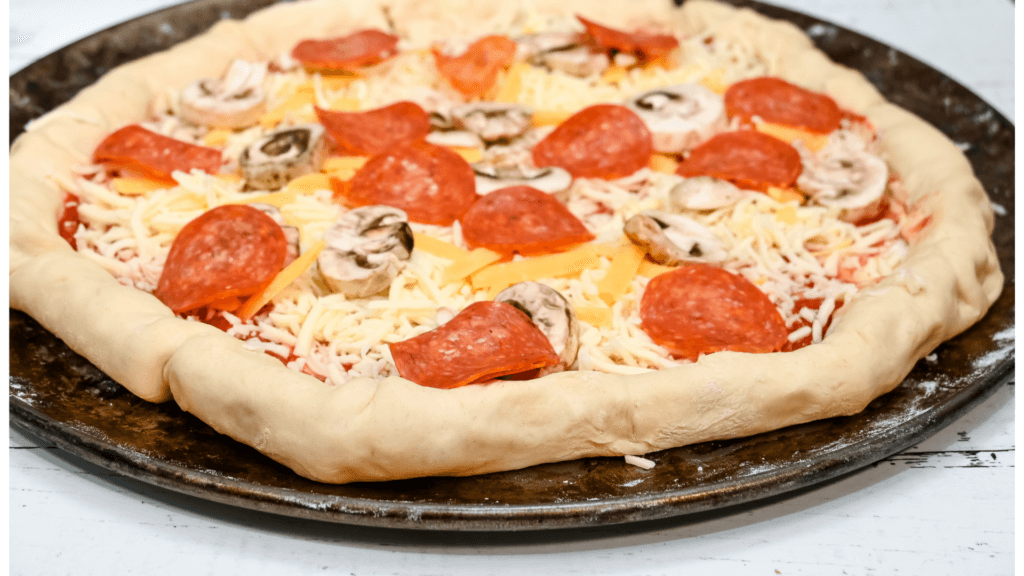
[{"x": 399, "y": 240}]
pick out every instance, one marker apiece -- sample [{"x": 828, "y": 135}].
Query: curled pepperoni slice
[
  {"x": 747, "y": 158},
  {"x": 484, "y": 341},
  {"x": 643, "y": 46},
  {"x": 231, "y": 250},
  {"x": 362, "y": 48},
  {"x": 778, "y": 101},
  {"x": 432, "y": 184},
  {"x": 475, "y": 71},
  {"x": 522, "y": 219},
  {"x": 374, "y": 131},
  {"x": 602, "y": 141},
  {"x": 701, "y": 309},
  {"x": 155, "y": 155}
]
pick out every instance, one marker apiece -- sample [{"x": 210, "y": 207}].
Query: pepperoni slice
[
  {"x": 476, "y": 70},
  {"x": 362, "y": 48},
  {"x": 643, "y": 46},
  {"x": 231, "y": 250},
  {"x": 155, "y": 155},
  {"x": 484, "y": 341},
  {"x": 778, "y": 101},
  {"x": 522, "y": 219},
  {"x": 701, "y": 309},
  {"x": 602, "y": 141},
  {"x": 431, "y": 183},
  {"x": 374, "y": 131},
  {"x": 747, "y": 158}
]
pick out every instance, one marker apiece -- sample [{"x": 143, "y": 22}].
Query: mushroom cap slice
[
  {"x": 366, "y": 249},
  {"x": 561, "y": 51},
  {"x": 530, "y": 46},
  {"x": 490, "y": 178},
  {"x": 270, "y": 162},
  {"x": 844, "y": 175},
  {"x": 680, "y": 116},
  {"x": 704, "y": 193},
  {"x": 553, "y": 314},
  {"x": 673, "y": 239},
  {"x": 235, "y": 101},
  {"x": 577, "y": 61},
  {"x": 493, "y": 121}
]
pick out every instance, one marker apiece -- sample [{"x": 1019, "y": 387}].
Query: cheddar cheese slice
[
  {"x": 139, "y": 186},
  {"x": 470, "y": 263},
  {"x": 625, "y": 265},
  {"x": 497, "y": 277},
  {"x": 438, "y": 248},
  {"x": 280, "y": 282},
  {"x": 788, "y": 134}
]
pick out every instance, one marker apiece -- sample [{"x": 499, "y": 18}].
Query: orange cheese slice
[
  {"x": 788, "y": 134},
  {"x": 470, "y": 155},
  {"x": 139, "y": 186},
  {"x": 625, "y": 265},
  {"x": 715, "y": 81},
  {"x": 343, "y": 167},
  {"x": 280, "y": 282},
  {"x": 438, "y": 248},
  {"x": 468, "y": 264},
  {"x": 509, "y": 87},
  {"x": 217, "y": 137},
  {"x": 784, "y": 195},
  {"x": 309, "y": 183},
  {"x": 650, "y": 269},
  {"x": 663, "y": 163},
  {"x": 614, "y": 74},
  {"x": 550, "y": 117},
  {"x": 597, "y": 316},
  {"x": 295, "y": 102},
  {"x": 497, "y": 277}
]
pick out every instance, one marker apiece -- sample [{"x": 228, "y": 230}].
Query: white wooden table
[{"x": 942, "y": 507}]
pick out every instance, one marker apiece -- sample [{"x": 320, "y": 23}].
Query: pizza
[{"x": 399, "y": 240}]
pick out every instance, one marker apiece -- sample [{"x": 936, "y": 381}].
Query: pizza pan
[{"x": 59, "y": 397}]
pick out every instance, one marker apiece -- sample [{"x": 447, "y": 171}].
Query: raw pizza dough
[{"x": 367, "y": 430}]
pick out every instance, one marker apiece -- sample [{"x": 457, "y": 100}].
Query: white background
[{"x": 943, "y": 507}]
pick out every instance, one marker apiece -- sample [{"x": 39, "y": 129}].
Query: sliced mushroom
[
  {"x": 235, "y": 101},
  {"x": 366, "y": 249},
  {"x": 673, "y": 239},
  {"x": 291, "y": 233},
  {"x": 844, "y": 175},
  {"x": 270, "y": 162},
  {"x": 579, "y": 61},
  {"x": 493, "y": 121},
  {"x": 489, "y": 178},
  {"x": 562, "y": 51},
  {"x": 553, "y": 314},
  {"x": 530, "y": 46},
  {"x": 681, "y": 116},
  {"x": 436, "y": 103},
  {"x": 703, "y": 193}
]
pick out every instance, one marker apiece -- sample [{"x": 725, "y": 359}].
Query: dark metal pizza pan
[{"x": 57, "y": 396}]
